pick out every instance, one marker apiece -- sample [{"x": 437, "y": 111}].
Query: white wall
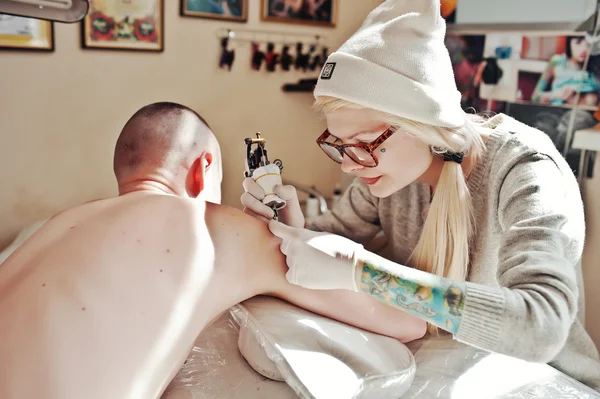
[
  {"x": 61, "y": 113},
  {"x": 519, "y": 11}
]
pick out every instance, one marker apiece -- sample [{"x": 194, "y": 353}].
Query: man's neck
[{"x": 150, "y": 185}]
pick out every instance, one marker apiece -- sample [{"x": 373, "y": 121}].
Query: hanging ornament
[
  {"x": 286, "y": 58},
  {"x": 315, "y": 61},
  {"x": 306, "y": 58},
  {"x": 324, "y": 56},
  {"x": 257, "y": 56},
  {"x": 272, "y": 58},
  {"x": 301, "y": 58},
  {"x": 227, "y": 56}
]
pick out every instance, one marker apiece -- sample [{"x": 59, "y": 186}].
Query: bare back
[{"x": 105, "y": 300}]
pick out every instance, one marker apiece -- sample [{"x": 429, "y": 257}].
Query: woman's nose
[{"x": 349, "y": 166}]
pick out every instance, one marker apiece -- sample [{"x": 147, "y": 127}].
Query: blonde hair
[{"x": 443, "y": 247}]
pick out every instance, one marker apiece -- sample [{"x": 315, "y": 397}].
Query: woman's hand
[
  {"x": 316, "y": 260},
  {"x": 253, "y": 194}
]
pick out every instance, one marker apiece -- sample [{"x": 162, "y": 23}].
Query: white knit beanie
[{"x": 397, "y": 63}]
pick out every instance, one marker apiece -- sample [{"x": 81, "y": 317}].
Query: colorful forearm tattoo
[{"x": 440, "y": 303}]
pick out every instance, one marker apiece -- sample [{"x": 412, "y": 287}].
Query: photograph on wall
[
  {"x": 466, "y": 55},
  {"x": 230, "y": 10},
  {"x": 124, "y": 25},
  {"x": 551, "y": 72},
  {"x": 500, "y": 74},
  {"x": 554, "y": 121},
  {"x": 311, "y": 12},
  {"x": 19, "y": 33}
]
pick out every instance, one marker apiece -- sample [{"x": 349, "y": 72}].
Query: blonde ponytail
[{"x": 443, "y": 248}]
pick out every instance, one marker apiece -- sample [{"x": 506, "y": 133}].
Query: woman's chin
[{"x": 382, "y": 188}]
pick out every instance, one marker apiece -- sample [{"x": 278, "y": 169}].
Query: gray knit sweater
[{"x": 524, "y": 288}]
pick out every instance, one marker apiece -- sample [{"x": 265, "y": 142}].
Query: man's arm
[
  {"x": 356, "y": 309},
  {"x": 258, "y": 264}
]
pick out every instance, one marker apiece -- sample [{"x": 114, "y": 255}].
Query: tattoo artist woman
[{"x": 484, "y": 218}]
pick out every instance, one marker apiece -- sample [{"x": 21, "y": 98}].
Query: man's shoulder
[{"x": 232, "y": 219}]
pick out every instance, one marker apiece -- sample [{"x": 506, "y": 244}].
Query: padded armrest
[{"x": 319, "y": 357}]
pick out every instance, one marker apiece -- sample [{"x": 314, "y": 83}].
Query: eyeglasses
[{"x": 362, "y": 153}]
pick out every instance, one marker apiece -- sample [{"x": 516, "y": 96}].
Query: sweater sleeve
[
  {"x": 355, "y": 216},
  {"x": 530, "y": 313}
]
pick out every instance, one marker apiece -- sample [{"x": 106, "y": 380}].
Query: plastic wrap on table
[
  {"x": 215, "y": 369},
  {"x": 448, "y": 369},
  {"x": 318, "y": 357}
]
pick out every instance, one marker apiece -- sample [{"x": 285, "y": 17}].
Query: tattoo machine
[{"x": 265, "y": 173}]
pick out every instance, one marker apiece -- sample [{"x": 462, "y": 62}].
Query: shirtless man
[{"x": 107, "y": 298}]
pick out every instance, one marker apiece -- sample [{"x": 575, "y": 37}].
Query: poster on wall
[
  {"x": 124, "y": 25},
  {"x": 19, "y": 33},
  {"x": 466, "y": 55},
  {"x": 504, "y": 50},
  {"x": 307, "y": 12},
  {"x": 551, "y": 72},
  {"x": 230, "y": 10},
  {"x": 554, "y": 121}
]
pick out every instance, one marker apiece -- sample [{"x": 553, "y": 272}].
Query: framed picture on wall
[
  {"x": 230, "y": 10},
  {"x": 19, "y": 33},
  {"x": 124, "y": 25},
  {"x": 306, "y": 12},
  {"x": 466, "y": 55},
  {"x": 552, "y": 72}
]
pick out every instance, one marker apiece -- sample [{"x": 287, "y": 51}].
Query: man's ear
[
  {"x": 208, "y": 160},
  {"x": 197, "y": 175}
]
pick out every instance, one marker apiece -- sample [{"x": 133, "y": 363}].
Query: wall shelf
[
  {"x": 272, "y": 36},
  {"x": 303, "y": 85}
]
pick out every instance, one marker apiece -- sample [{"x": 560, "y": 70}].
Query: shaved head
[{"x": 162, "y": 138}]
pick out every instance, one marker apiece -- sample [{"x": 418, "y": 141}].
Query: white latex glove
[
  {"x": 253, "y": 194},
  {"x": 321, "y": 261}
]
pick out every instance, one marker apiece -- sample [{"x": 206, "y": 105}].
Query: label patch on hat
[{"x": 328, "y": 70}]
